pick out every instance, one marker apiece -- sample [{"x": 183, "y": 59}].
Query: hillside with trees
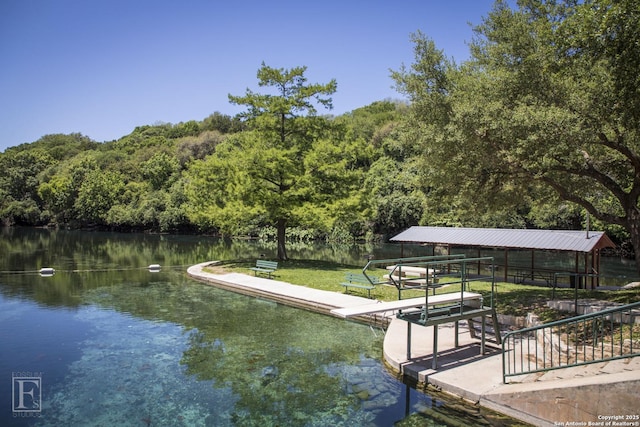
[
  {"x": 175, "y": 178},
  {"x": 536, "y": 130}
]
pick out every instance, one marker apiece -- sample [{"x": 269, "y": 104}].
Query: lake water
[{"x": 105, "y": 342}]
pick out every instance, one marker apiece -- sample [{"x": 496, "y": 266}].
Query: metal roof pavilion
[
  {"x": 587, "y": 243},
  {"x": 560, "y": 240}
]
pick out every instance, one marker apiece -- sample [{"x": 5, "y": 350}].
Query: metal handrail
[
  {"x": 577, "y": 341},
  {"x": 437, "y": 261},
  {"x": 374, "y": 262},
  {"x": 407, "y": 261}
]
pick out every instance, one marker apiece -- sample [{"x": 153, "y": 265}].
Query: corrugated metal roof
[{"x": 561, "y": 240}]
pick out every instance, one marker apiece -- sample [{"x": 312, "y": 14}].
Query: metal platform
[
  {"x": 450, "y": 314},
  {"x": 434, "y": 310}
]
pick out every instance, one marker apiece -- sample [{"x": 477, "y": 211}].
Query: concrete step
[{"x": 590, "y": 370}]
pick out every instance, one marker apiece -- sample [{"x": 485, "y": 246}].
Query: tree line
[{"x": 538, "y": 129}]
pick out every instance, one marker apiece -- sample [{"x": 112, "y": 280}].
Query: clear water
[{"x": 114, "y": 344}]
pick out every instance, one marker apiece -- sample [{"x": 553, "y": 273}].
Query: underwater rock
[{"x": 363, "y": 395}]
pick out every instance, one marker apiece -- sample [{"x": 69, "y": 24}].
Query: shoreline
[{"x": 565, "y": 396}]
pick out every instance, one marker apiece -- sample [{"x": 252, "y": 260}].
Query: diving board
[{"x": 381, "y": 307}]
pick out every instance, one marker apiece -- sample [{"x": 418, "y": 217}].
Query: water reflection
[
  {"x": 86, "y": 260},
  {"x": 180, "y": 353},
  {"x": 118, "y": 345},
  {"x": 260, "y": 351}
]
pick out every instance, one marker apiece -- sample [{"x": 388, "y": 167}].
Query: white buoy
[
  {"x": 47, "y": 271},
  {"x": 154, "y": 268}
]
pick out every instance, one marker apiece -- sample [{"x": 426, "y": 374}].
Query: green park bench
[
  {"x": 266, "y": 267},
  {"x": 358, "y": 280}
]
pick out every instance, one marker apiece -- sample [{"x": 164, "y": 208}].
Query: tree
[
  {"x": 221, "y": 123},
  {"x": 549, "y": 102},
  {"x": 197, "y": 147},
  {"x": 60, "y": 192},
  {"x": 160, "y": 170},
  {"x": 287, "y": 126},
  {"x": 260, "y": 173},
  {"x": 19, "y": 181},
  {"x": 97, "y": 194}
]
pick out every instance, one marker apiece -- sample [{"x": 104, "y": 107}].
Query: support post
[
  {"x": 408, "y": 341},
  {"x": 472, "y": 328},
  {"x": 506, "y": 264},
  {"x": 456, "y": 333},
  {"x": 496, "y": 326},
  {"x": 434, "y": 360},
  {"x": 484, "y": 327}
]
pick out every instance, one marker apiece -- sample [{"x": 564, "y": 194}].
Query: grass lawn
[{"x": 511, "y": 298}]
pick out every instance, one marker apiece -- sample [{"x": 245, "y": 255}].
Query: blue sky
[{"x": 103, "y": 67}]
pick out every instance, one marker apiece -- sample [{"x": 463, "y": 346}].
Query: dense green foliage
[
  {"x": 134, "y": 183},
  {"x": 537, "y": 129},
  {"x": 542, "y": 121},
  {"x": 201, "y": 176}
]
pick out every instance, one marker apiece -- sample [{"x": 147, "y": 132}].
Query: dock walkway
[{"x": 274, "y": 290}]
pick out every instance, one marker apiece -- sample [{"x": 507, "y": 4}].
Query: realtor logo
[{"x": 26, "y": 390}]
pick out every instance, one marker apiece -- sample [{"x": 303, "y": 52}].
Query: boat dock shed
[{"x": 585, "y": 244}]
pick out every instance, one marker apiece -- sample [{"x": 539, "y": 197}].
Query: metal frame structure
[
  {"x": 423, "y": 261},
  {"x": 452, "y": 270}
]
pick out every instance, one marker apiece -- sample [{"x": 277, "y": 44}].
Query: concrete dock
[
  {"x": 603, "y": 393},
  {"x": 582, "y": 394}
]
